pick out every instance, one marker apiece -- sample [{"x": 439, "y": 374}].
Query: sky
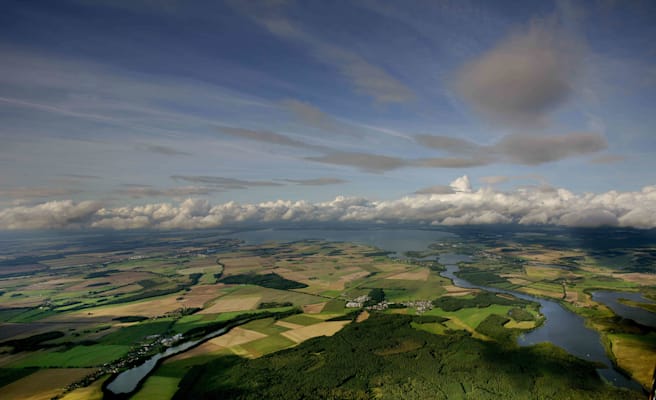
[{"x": 192, "y": 114}]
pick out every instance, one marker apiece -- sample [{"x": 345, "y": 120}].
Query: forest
[{"x": 384, "y": 357}]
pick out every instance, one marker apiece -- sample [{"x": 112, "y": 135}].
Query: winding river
[{"x": 561, "y": 327}]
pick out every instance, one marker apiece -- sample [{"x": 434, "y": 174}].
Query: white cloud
[
  {"x": 461, "y": 184},
  {"x": 464, "y": 206},
  {"x": 524, "y": 77},
  {"x": 367, "y": 78},
  {"x": 516, "y": 148}
]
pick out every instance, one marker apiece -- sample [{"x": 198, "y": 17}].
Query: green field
[
  {"x": 78, "y": 356},
  {"x": 302, "y": 319},
  {"x": 268, "y": 344},
  {"x": 157, "y": 387},
  {"x": 89, "y": 315}
]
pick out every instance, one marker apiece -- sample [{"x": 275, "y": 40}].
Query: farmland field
[{"x": 93, "y": 314}]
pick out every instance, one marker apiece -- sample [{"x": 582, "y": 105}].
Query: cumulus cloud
[
  {"x": 461, "y": 184},
  {"x": 50, "y": 215},
  {"x": 524, "y": 77},
  {"x": 462, "y": 205}
]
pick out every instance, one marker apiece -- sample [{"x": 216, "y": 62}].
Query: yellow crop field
[
  {"x": 304, "y": 333},
  {"x": 542, "y": 272},
  {"x": 232, "y": 304},
  {"x": 240, "y": 265},
  {"x": 149, "y": 308},
  {"x": 520, "y": 325},
  {"x": 288, "y": 325},
  {"x": 642, "y": 279},
  {"x": 44, "y": 384},
  {"x": 236, "y": 337},
  {"x": 452, "y": 290},
  {"x": 200, "y": 295},
  {"x": 91, "y": 392},
  {"x": 636, "y": 356},
  {"x": 420, "y": 274},
  {"x": 204, "y": 349},
  {"x": 313, "y": 308},
  {"x": 363, "y": 316}
]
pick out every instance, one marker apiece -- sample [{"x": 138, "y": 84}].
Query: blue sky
[{"x": 141, "y": 102}]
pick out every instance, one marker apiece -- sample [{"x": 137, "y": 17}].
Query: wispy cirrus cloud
[
  {"x": 37, "y": 192},
  {"x": 222, "y": 182},
  {"x": 317, "y": 181},
  {"x": 314, "y": 117},
  {"x": 162, "y": 149},
  {"x": 138, "y": 191},
  {"x": 367, "y": 78},
  {"x": 608, "y": 159},
  {"x": 375, "y": 163},
  {"x": 207, "y": 185},
  {"x": 82, "y": 176},
  {"x": 269, "y": 137},
  {"x": 519, "y": 148}
]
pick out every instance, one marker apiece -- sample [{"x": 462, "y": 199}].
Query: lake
[
  {"x": 639, "y": 315},
  {"x": 562, "y": 327},
  {"x": 128, "y": 380}
]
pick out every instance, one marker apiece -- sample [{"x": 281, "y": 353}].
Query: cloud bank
[{"x": 462, "y": 205}]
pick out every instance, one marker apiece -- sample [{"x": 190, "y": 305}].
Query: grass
[
  {"x": 432, "y": 327},
  {"x": 636, "y": 354},
  {"x": 267, "y": 345},
  {"x": 266, "y": 326},
  {"x": 188, "y": 322},
  {"x": 157, "y": 387},
  {"x": 136, "y": 333},
  {"x": 78, "y": 356},
  {"x": 91, "y": 392},
  {"x": 400, "y": 290},
  {"x": 9, "y": 375},
  {"x": 472, "y": 317},
  {"x": 44, "y": 384},
  {"x": 334, "y": 306},
  {"x": 302, "y": 319},
  {"x": 331, "y": 293}
]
